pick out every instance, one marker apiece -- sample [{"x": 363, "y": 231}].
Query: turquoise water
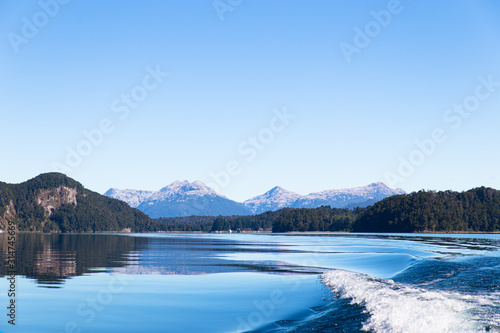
[{"x": 255, "y": 282}]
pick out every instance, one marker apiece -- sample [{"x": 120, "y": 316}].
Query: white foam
[{"x": 396, "y": 307}]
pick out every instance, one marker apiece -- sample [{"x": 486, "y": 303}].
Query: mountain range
[
  {"x": 53, "y": 202},
  {"x": 183, "y": 198}
]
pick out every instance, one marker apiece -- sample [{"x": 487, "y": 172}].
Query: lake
[{"x": 253, "y": 282}]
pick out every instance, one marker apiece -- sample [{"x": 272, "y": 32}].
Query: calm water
[{"x": 252, "y": 282}]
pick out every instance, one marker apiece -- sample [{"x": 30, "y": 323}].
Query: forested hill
[
  {"x": 476, "y": 210},
  {"x": 53, "y": 202},
  {"x": 322, "y": 218}
]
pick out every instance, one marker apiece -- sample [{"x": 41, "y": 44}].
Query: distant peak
[
  {"x": 378, "y": 184},
  {"x": 180, "y": 182},
  {"x": 383, "y": 185},
  {"x": 274, "y": 199},
  {"x": 277, "y": 188},
  {"x": 278, "y": 191},
  {"x": 111, "y": 191},
  {"x": 174, "y": 185},
  {"x": 184, "y": 187},
  {"x": 199, "y": 183}
]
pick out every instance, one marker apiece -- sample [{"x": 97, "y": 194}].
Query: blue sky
[{"x": 354, "y": 116}]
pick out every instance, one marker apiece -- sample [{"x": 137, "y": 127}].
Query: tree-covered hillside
[
  {"x": 54, "y": 202},
  {"x": 322, "y": 218},
  {"x": 187, "y": 223},
  {"x": 261, "y": 221},
  {"x": 477, "y": 210}
]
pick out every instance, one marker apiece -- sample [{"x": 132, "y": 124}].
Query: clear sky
[{"x": 307, "y": 94}]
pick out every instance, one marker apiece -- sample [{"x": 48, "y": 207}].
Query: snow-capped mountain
[
  {"x": 182, "y": 190},
  {"x": 351, "y": 197},
  {"x": 182, "y": 198},
  {"x": 132, "y": 197},
  {"x": 274, "y": 199}
]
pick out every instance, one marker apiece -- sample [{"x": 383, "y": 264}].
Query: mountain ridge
[
  {"x": 132, "y": 197},
  {"x": 272, "y": 200},
  {"x": 182, "y": 198},
  {"x": 341, "y": 198}
]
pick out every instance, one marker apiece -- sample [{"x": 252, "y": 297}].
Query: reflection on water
[
  {"x": 442, "y": 245},
  {"x": 50, "y": 259}
]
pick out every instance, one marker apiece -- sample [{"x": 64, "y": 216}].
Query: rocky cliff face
[
  {"x": 54, "y": 198},
  {"x": 48, "y": 199},
  {"x": 8, "y": 215}
]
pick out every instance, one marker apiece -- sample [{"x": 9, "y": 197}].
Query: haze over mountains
[{"x": 183, "y": 198}]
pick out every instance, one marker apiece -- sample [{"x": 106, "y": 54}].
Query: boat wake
[{"x": 398, "y": 307}]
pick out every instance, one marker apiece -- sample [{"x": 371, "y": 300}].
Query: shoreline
[{"x": 259, "y": 232}]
